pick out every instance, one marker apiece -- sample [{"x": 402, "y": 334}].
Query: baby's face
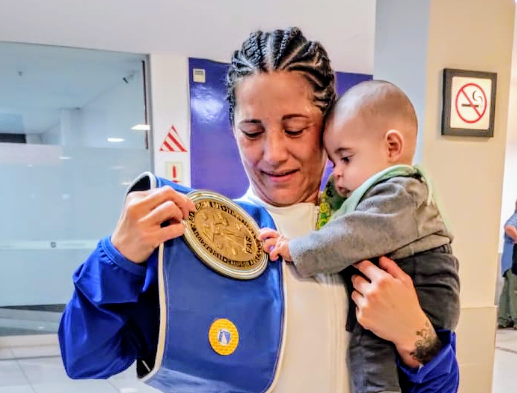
[{"x": 356, "y": 152}]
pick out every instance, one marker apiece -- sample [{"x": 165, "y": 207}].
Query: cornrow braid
[{"x": 283, "y": 50}]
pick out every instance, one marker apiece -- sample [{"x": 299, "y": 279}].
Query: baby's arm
[{"x": 381, "y": 224}]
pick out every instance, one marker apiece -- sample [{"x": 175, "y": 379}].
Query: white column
[
  {"x": 170, "y": 106},
  {"x": 415, "y": 41}
]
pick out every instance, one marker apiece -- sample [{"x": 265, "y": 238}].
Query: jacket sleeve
[
  {"x": 112, "y": 318},
  {"x": 382, "y": 223},
  {"x": 440, "y": 375}
]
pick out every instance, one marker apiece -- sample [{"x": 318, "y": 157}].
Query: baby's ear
[{"x": 395, "y": 144}]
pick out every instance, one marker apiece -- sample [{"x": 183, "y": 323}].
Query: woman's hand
[
  {"x": 139, "y": 231},
  {"x": 387, "y": 304}
]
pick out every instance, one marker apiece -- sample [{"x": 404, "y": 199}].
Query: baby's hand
[{"x": 275, "y": 244}]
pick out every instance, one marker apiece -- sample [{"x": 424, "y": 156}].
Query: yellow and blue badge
[{"x": 223, "y": 337}]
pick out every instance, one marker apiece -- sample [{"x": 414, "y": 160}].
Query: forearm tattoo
[{"x": 427, "y": 346}]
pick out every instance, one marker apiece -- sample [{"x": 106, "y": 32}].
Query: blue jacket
[{"x": 112, "y": 320}]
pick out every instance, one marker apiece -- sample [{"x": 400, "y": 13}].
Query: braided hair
[{"x": 283, "y": 50}]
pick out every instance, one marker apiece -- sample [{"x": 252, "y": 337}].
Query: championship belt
[{"x": 221, "y": 301}]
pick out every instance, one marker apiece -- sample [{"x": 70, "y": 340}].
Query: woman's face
[{"x": 278, "y": 132}]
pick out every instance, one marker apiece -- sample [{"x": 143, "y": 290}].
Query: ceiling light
[
  {"x": 141, "y": 127},
  {"x": 115, "y": 140},
  {"x": 65, "y": 158}
]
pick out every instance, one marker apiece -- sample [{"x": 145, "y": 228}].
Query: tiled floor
[
  {"x": 9, "y": 331},
  {"x": 46, "y": 375},
  {"x": 26, "y": 321},
  {"x": 505, "y": 368},
  {"x": 39, "y": 370}
]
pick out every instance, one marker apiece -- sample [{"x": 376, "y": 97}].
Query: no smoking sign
[{"x": 469, "y": 103}]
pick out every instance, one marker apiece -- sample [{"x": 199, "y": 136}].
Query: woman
[
  {"x": 507, "y": 314},
  {"x": 280, "y": 87}
]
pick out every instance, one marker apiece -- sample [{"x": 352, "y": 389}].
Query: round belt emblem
[
  {"x": 224, "y": 236},
  {"x": 223, "y": 337}
]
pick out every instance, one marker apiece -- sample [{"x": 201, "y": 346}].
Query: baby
[{"x": 376, "y": 203}]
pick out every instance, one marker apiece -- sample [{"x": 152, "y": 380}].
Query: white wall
[
  {"x": 71, "y": 202},
  {"x": 113, "y": 114},
  {"x": 510, "y": 170},
  {"x": 45, "y": 199},
  {"x": 33, "y": 138},
  {"x": 468, "y": 172},
  {"x": 205, "y": 29},
  {"x": 63, "y": 190},
  {"x": 52, "y": 136},
  {"x": 110, "y": 115},
  {"x": 170, "y": 106},
  {"x": 510, "y": 166}
]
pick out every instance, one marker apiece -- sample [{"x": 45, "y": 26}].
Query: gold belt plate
[{"x": 224, "y": 236}]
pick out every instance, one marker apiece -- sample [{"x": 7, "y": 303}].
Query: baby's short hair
[{"x": 381, "y": 104}]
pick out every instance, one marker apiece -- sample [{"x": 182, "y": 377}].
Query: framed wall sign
[{"x": 468, "y": 103}]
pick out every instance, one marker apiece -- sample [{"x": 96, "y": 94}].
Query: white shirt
[{"x": 315, "y": 340}]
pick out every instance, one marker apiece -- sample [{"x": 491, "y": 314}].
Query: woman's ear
[{"x": 395, "y": 145}]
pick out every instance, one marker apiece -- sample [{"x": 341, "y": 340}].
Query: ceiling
[
  {"x": 37, "y": 81},
  {"x": 208, "y": 29}
]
